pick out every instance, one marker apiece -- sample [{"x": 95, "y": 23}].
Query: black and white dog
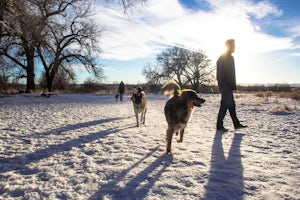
[
  {"x": 116, "y": 97},
  {"x": 139, "y": 105}
]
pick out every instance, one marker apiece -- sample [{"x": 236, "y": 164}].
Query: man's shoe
[
  {"x": 239, "y": 126},
  {"x": 222, "y": 129}
]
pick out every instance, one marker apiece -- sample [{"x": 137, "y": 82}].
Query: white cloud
[
  {"x": 295, "y": 31},
  {"x": 167, "y": 22},
  {"x": 296, "y": 54},
  {"x": 244, "y": 7},
  {"x": 264, "y": 8}
]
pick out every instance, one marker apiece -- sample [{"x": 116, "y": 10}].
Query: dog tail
[{"x": 171, "y": 87}]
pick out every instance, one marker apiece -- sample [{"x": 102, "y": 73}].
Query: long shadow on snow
[
  {"x": 226, "y": 180},
  {"x": 135, "y": 189},
  {"x": 71, "y": 127},
  {"x": 19, "y": 162}
]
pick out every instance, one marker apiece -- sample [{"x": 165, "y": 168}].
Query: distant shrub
[
  {"x": 259, "y": 94},
  {"x": 264, "y": 94},
  {"x": 237, "y": 96},
  {"x": 263, "y": 88},
  {"x": 296, "y": 94}
]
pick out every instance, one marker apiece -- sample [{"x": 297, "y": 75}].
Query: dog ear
[{"x": 133, "y": 97}]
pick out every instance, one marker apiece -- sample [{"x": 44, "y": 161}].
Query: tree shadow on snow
[
  {"x": 226, "y": 180},
  {"x": 19, "y": 162},
  {"x": 71, "y": 127},
  {"x": 137, "y": 187}
]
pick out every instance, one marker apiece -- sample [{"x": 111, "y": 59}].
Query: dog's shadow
[
  {"x": 226, "y": 179},
  {"x": 139, "y": 186}
]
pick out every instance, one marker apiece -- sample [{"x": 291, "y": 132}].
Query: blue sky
[{"x": 267, "y": 35}]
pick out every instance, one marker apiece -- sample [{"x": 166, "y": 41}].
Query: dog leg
[
  {"x": 137, "y": 119},
  {"x": 143, "y": 118},
  {"x": 169, "y": 134},
  {"x": 180, "y": 139}
]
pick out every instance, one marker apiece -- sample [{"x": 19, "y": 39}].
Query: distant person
[
  {"x": 121, "y": 90},
  {"x": 227, "y": 84}
]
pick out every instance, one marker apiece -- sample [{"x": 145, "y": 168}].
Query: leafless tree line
[
  {"x": 60, "y": 35},
  {"x": 57, "y": 34},
  {"x": 188, "y": 67}
]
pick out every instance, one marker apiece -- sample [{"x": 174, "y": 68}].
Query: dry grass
[
  {"x": 284, "y": 107},
  {"x": 264, "y": 94},
  {"x": 237, "y": 96},
  {"x": 294, "y": 94}
]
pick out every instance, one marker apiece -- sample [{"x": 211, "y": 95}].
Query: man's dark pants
[
  {"x": 121, "y": 96},
  {"x": 227, "y": 103}
]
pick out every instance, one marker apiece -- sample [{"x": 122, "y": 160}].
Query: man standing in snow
[{"x": 227, "y": 84}]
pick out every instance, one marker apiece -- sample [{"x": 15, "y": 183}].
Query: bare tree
[
  {"x": 198, "y": 71},
  {"x": 6, "y": 72},
  {"x": 57, "y": 32},
  {"x": 21, "y": 25},
  {"x": 71, "y": 39},
  {"x": 187, "y": 67},
  {"x": 173, "y": 62},
  {"x": 5, "y": 9},
  {"x": 127, "y": 4},
  {"x": 63, "y": 80},
  {"x": 153, "y": 74}
]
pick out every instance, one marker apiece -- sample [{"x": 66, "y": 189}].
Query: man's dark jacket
[
  {"x": 226, "y": 72},
  {"x": 121, "y": 87}
]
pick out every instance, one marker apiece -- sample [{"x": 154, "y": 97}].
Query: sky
[{"x": 267, "y": 35}]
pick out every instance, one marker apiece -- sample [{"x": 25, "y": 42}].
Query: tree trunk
[
  {"x": 30, "y": 86},
  {"x": 49, "y": 83},
  {"x": 51, "y": 76}
]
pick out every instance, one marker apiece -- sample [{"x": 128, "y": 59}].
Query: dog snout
[
  {"x": 198, "y": 102},
  {"x": 202, "y": 100}
]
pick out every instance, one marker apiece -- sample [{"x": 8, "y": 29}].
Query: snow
[{"x": 87, "y": 146}]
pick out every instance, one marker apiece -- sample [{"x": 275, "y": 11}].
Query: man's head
[{"x": 230, "y": 45}]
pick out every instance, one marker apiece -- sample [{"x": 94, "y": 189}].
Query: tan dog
[
  {"x": 139, "y": 105},
  {"x": 178, "y": 110}
]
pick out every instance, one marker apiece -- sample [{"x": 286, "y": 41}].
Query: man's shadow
[{"x": 226, "y": 180}]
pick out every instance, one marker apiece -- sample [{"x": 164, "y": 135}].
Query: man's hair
[{"x": 229, "y": 42}]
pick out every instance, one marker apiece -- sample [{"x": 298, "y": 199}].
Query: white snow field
[{"x": 87, "y": 146}]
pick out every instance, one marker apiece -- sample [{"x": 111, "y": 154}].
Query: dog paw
[{"x": 179, "y": 140}]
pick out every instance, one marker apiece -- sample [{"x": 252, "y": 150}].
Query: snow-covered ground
[{"x": 73, "y": 146}]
